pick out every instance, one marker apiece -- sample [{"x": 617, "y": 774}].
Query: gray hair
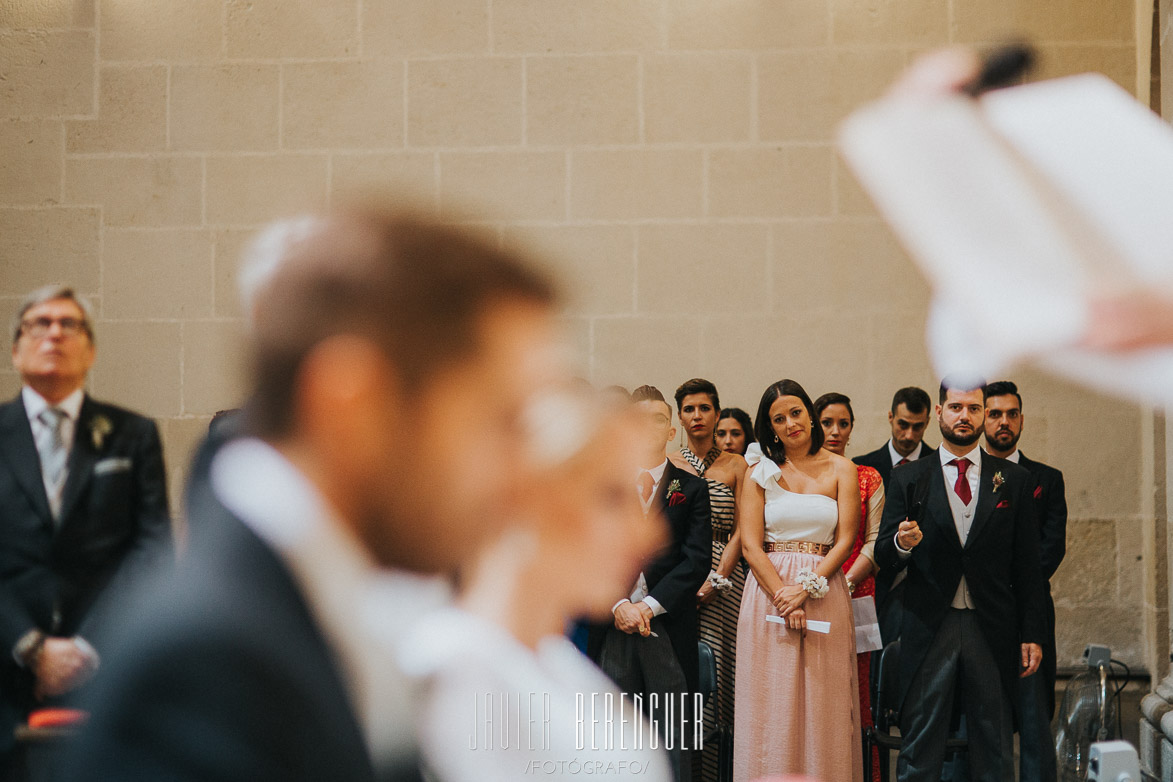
[{"x": 52, "y": 293}]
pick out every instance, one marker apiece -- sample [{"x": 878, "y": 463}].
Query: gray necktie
[{"x": 51, "y": 447}]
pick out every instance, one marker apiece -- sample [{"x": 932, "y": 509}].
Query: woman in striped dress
[{"x": 719, "y": 599}]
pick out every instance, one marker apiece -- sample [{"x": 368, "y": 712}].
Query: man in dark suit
[
  {"x": 267, "y": 656},
  {"x": 1004, "y": 422},
  {"x": 83, "y": 510},
  {"x": 908, "y": 418},
  {"x": 651, "y": 647},
  {"x": 962, "y": 526}
]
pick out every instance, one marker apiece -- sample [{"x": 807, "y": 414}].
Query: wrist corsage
[
  {"x": 814, "y": 584},
  {"x": 719, "y": 582}
]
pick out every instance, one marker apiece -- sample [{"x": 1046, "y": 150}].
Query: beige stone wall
[{"x": 674, "y": 156}]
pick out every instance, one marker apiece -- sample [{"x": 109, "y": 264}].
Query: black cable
[{"x": 1116, "y": 695}]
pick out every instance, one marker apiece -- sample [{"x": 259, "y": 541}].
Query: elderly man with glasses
[{"x": 83, "y": 509}]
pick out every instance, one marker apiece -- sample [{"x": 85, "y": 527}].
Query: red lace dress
[{"x": 871, "y": 492}]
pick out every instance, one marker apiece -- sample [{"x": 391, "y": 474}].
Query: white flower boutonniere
[
  {"x": 998, "y": 481},
  {"x": 100, "y": 428}
]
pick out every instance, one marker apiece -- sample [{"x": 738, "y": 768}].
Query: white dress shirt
[
  {"x": 640, "y": 593},
  {"x": 34, "y": 405},
  {"x": 896, "y": 457},
  {"x": 1014, "y": 457},
  {"x": 345, "y": 589}
]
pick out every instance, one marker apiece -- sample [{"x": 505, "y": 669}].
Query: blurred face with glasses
[{"x": 53, "y": 351}]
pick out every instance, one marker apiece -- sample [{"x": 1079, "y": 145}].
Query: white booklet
[
  {"x": 1015, "y": 206},
  {"x": 814, "y": 625}
]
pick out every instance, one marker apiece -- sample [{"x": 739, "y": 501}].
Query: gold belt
[{"x": 798, "y": 547}]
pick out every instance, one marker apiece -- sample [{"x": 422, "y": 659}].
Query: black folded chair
[
  {"x": 886, "y": 716},
  {"x": 722, "y": 734}
]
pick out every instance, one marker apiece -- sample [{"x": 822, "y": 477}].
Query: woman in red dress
[{"x": 837, "y": 419}]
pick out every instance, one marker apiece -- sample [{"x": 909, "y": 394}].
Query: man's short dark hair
[
  {"x": 412, "y": 287},
  {"x": 698, "y": 385},
  {"x": 915, "y": 399},
  {"x": 1002, "y": 388},
  {"x": 957, "y": 383},
  {"x": 648, "y": 394}
]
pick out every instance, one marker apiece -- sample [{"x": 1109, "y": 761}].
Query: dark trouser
[
  {"x": 642, "y": 666},
  {"x": 1036, "y": 745},
  {"x": 958, "y": 659}
]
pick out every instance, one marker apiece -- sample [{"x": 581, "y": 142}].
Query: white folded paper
[
  {"x": 1018, "y": 205},
  {"x": 867, "y": 625},
  {"x": 814, "y": 625}
]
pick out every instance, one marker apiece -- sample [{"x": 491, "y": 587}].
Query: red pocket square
[
  {"x": 1038, "y": 492},
  {"x": 675, "y": 499},
  {"x": 1002, "y": 504}
]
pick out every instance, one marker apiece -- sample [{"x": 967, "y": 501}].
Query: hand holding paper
[{"x": 1062, "y": 187}]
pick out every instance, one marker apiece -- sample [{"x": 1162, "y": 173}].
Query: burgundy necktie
[
  {"x": 902, "y": 461},
  {"x": 962, "y": 485}
]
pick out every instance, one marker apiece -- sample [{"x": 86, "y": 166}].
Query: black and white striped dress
[{"x": 718, "y": 619}]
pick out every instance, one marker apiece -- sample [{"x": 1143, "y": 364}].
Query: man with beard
[
  {"x": 962, "y": 526},
  {"x": 1004, "y": 421}
]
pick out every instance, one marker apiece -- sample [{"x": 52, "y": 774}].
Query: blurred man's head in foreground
[{"x": 393, "y": 361}]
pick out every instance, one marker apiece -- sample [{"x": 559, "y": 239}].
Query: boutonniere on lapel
[
  {"x": 100, "y": 429},
  {"x": 998, "y": 481},
  {"x": 674, "y": 496}
]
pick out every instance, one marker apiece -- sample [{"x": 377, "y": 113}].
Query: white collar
[
  {"x": 657, "y": 472},
  {"x": 974, "y": 456},
  {"x": 35, "y": 404},
  {"x": 896, "y": 457},
  {"x": 1014, "y": 457}
]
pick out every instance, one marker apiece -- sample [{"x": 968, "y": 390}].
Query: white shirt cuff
[
  {"x": 654, "y": 604},
  {"x": 903, "y": 553},
  {"x": 621, "y": 602}
]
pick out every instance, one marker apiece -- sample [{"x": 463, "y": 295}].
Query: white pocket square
[{"x": 117, "y": 464}]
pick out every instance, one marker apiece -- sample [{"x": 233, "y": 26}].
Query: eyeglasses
[{"x": 39, "y": 327}]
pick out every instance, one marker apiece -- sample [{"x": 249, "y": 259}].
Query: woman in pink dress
[
  {"x": 796, "y": 701},
  {"x": 837, "y": 420}
]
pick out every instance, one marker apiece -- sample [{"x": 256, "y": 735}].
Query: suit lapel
[
  {"x": 20, "y": 451},
  {"x": 939, "y": 500},
  {"x": 82, "y": 457},
  {"x": 661, "y": 499},
  {"x": 986, "y": 499}
]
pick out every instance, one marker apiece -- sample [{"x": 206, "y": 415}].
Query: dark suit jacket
[
  {"x": 881, "y": 460},
  {"x": 114, "y": 526},
  {"x": 1051, "y": 503},
  {"x": 1051, "y": 508},
  {"x": 222, "y": 674},
  {"x": 679, "y": 570},
  {"x": 1000, "y": 562}
]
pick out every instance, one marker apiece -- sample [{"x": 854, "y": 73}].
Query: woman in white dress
[{"x": 797, "y": 709}]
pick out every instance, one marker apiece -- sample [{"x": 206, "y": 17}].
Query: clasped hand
[
  {"x": 61, "y": 667},
  {"x": 634, "y": 618},
  {"x": 789, "y": 599}
]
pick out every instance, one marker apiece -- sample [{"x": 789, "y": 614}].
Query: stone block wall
[{"x": 673, "y": 157}]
